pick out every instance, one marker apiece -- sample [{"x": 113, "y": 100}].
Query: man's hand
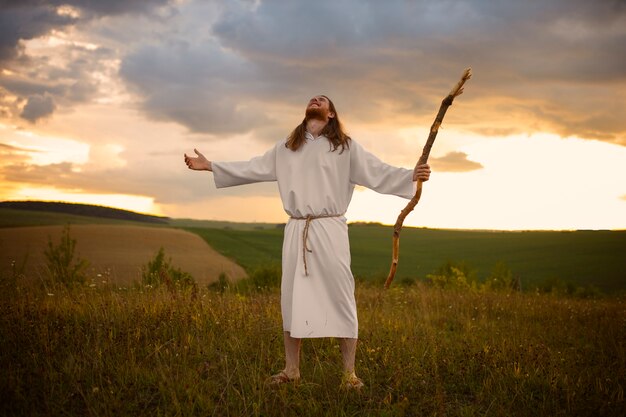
[
  {"x": 421, "y": 172},
  {"x": 199, "y": 164}
]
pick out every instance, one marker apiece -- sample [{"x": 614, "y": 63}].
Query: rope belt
[{"x": 305, "y": 234}]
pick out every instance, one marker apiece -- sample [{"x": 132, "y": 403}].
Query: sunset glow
[
  {"x": 129, "y": 202},
  {"x": 99, "y": 103}
]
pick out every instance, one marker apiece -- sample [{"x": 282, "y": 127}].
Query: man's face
[{"x": 319, "y": 108}]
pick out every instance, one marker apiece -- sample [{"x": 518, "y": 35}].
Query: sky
[{"x": 100, "y": 100}]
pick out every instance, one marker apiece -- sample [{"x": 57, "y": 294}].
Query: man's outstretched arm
[{"x": 199, "y": 163}]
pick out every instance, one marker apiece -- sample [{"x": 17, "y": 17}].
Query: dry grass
[{"x": 117, "y": 252}]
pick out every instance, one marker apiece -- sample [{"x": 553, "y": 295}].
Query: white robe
[{"x": 315, "y": 181}]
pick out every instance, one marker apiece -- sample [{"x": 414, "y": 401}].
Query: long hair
[{"x": 333, "y": 131}]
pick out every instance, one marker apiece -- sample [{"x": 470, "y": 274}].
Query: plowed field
[{"x": 116, "y": 253}]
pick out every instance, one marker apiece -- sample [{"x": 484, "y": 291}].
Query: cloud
[
  {"x": 197, "y": 85},
  {"x": 23, "y": 21},
  {"x": 38, "y": 106},
  {"x": 454, "y": 162},
  {"x": 548, "y": 66},
  {"x": 241, "y": 72},
  {"x": 30, "y": 19},
  {"x": 164, "y": 185},
  {"x": 10, "y": 154},
  {"x": 223, "y": 68},
  {"x": 62, "y": 72}
]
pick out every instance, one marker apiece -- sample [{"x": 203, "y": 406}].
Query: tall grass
[{"x": 107, "y": 350}]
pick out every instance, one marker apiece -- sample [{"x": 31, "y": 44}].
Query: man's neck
[{"x": 315, "y": 126}]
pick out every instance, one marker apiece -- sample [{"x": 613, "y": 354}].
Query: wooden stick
[{"x": 445, "y": 103}]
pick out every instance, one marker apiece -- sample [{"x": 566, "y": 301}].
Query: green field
[{"x": 581, "y": 258}]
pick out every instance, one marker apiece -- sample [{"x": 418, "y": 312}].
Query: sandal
[
  {"x": 280, "y": 379},
  {"x": 352, "y": 383}
]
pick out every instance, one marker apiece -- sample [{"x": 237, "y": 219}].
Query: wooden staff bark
[{"x": 445, "y": 103}]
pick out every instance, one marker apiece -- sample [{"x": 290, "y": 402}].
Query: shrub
[
  {"x": 407, "y": 281},
  {"x": 62, "y": 265},
  {"x": 160, "y": 271},
  {"x": 261, "y": 279},
  {"x": 453, "y": 275},
  {"x": 559, "y": 287},
  {"x": 221, "y": 285},
  {"x": 588, "y": 291},
  {"x": 267, "y": 277},
  {"x": 500, "y": 278},
  {"x": 553, "y": 285}
]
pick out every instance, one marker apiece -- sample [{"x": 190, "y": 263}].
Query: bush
[
  {"x": 221, "y": 285},
  {"x": 62, "y": 266},
  {"x": 500, "y": 278},
  {"x": 407, "y": 281},
  {"x": 261, "y": 279},
  {"x": 160, "y": 271},
  {"x": 267, "y": 277},
  {"x": 453, "y": 275},
  {"x": 554, "y": 285},
  {"x": 559, "y": 287}
]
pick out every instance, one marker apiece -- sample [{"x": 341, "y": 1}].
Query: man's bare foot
[
  {"x": 351, "y": 382},
  {"x": 282, "y": 378}
]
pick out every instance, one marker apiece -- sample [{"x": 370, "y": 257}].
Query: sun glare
[
  {"x": 539, "y": 181},
  {"x": 48, "y": 149}
]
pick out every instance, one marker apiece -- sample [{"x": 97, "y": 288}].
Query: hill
[
  {"x": 21, "y": 213},
  {"x": 83, "y": 210},
  {"x": 116, "y": 253},
  {"x": 537, "y": 257}
]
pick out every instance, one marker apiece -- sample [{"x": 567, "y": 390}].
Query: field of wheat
[{"x": 116, "y": 253}]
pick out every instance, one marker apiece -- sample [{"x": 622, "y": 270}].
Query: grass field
[
  {"x": 422, "y": 351},
  {"x": 582, "y": 257}
]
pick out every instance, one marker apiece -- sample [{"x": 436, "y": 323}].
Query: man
[{"x": 316, "y": 168}]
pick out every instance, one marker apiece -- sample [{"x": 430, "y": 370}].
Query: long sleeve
[
  {"x": 258, "y": 169},
  {"x": 369, "y": 171}
]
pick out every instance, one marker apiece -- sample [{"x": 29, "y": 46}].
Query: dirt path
[{"x": 117, "y": 253}]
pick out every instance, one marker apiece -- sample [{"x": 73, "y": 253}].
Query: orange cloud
[{"x": 454, "y": 162}]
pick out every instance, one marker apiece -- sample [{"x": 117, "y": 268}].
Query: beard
[{"x": 317, "y": 113}]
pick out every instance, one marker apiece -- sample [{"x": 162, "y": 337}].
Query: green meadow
[{"x": 538, "y": 259}]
